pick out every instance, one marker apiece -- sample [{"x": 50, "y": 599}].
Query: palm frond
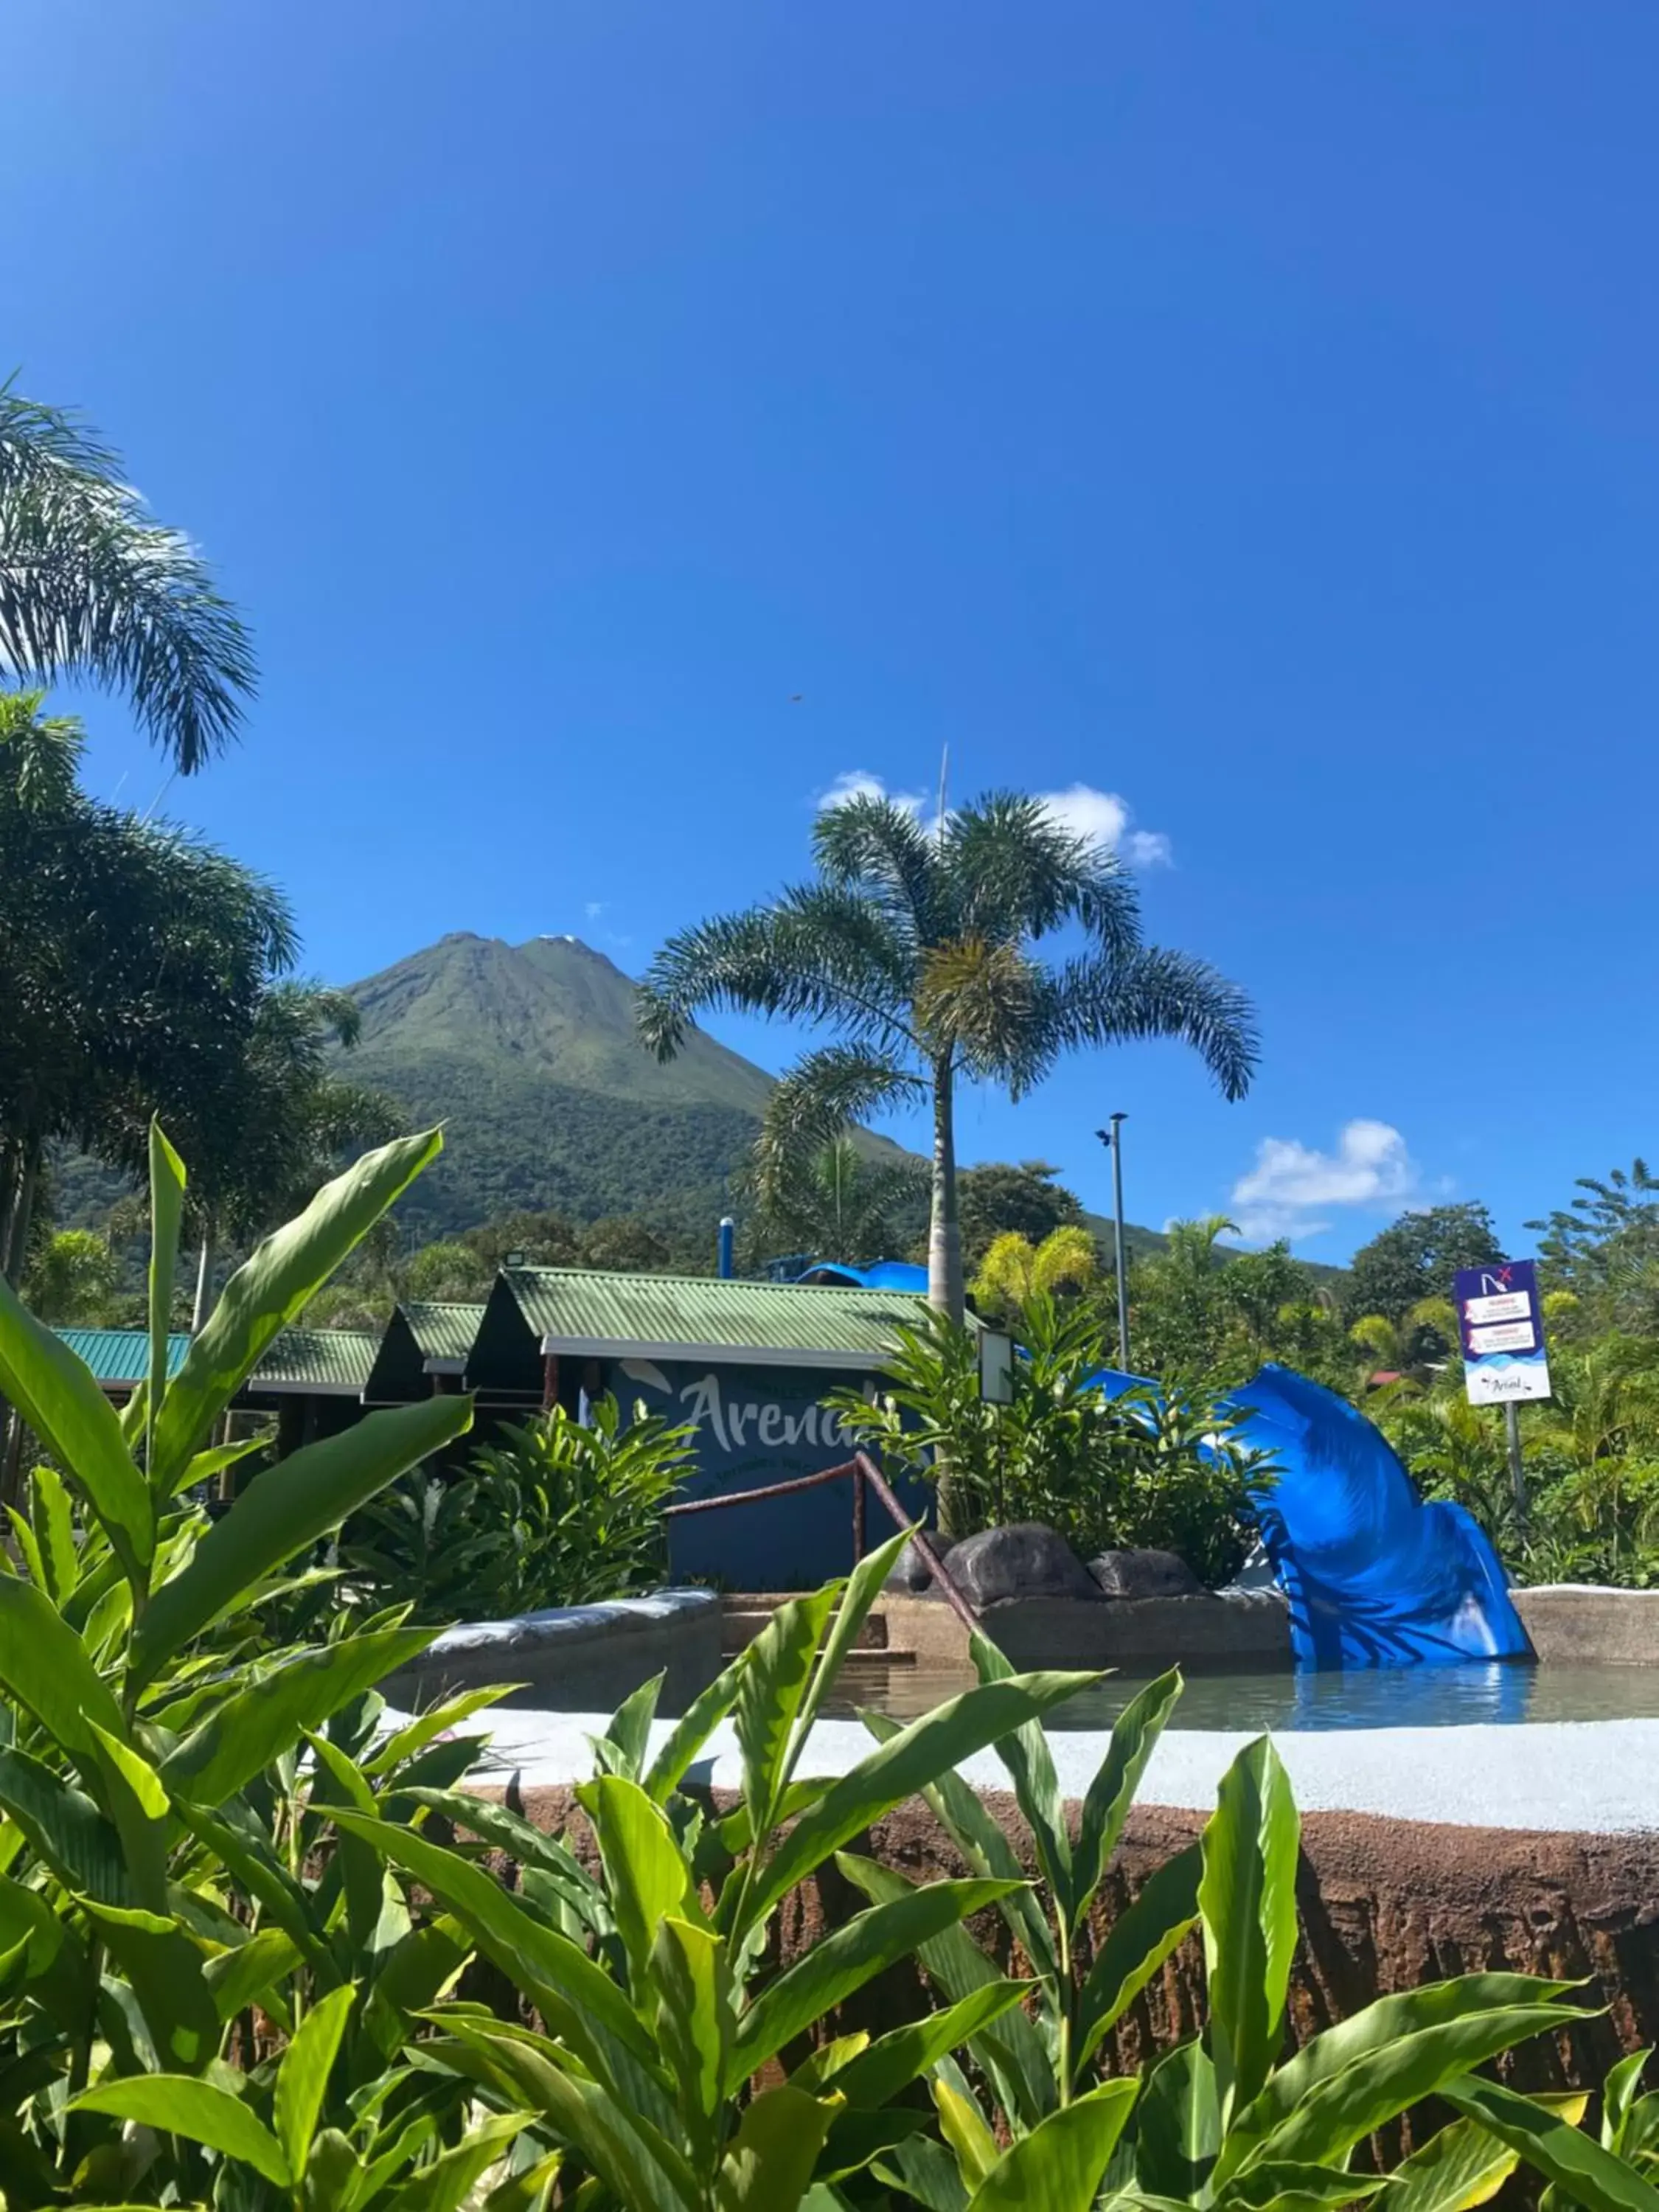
[
  {"x": 825, "y": 1094},
  {"x": 878, "y": 849},
  {"x": 1159, "y": 995},
  {"x": 91, "y": 584},
  {"x": 1020, "y": 873}
]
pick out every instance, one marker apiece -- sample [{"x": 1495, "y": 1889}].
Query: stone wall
[
  {"x": 1584, "y": 1624},
  {"x": 1134, "y": 1635},
  {"x": 575, "y": 1658}
]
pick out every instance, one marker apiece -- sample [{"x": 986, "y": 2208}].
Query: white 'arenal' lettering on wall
[{"x": 737, "y": 1427}]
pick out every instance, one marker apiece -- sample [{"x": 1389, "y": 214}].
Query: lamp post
[{"x": 1113, "y": 1140}]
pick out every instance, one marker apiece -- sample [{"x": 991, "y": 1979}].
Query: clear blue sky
[{"x": 1247, "y": 412}]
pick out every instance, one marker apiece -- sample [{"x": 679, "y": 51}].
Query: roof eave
[{"x": 728, "y": 1355}]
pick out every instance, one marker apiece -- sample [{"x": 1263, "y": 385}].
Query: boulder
[
  {"x": 1145, "y": 1574},
  {"x": 913, "y": 1577},
  {"x": 1027, "y": 1560}
]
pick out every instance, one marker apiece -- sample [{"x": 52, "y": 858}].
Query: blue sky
[{"x": 1245, "y": 413}]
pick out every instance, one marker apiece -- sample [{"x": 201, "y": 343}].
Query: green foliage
[
  {"x": 921, "y": 952},
  {"x": 561, "y": 1512},
  {"x": 1014, "y": 1271},
  {"x": 998, "y": 1196},
  {"x": 1416, "y": 1258},
  {"x": 836, "y": 1200},
  {"x": 1151, "y": 1468},
  {"x": 70, "y": 1280}
]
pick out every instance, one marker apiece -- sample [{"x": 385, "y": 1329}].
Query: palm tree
[
  {"x": 832, "y": 1199},
  {"x": 918, "y": 947},
  {"x": 91, "y": 584},
  {"x": 1015, "y": 1271}
]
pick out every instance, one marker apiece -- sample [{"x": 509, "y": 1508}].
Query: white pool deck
[{"x": 1592, "y": 1777}]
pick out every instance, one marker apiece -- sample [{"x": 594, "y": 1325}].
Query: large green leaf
[
  {"x": 45, "y": 1666},
  {"x": 240, "y": 1977},
  {"x": 1247, "y": 1899},
  {"x": 770, "y": 1693},
  {"x": 893, "y": 2061},
  {"x": 1062, "y": 2162},
  {"x": 53, "y": 1518},
  {"x": 266, "y": 1293},
  {"x": 647, "y": 1877},
  {"x": 1577, "y": 2165},
  {"x": 864, "y": 1586},
  {"x": 136, "y": 1802},
  {"x": 447, "y": 2183},
  {"x": 64, "y": 1827},
  {"x": 56, "y": 1395},
  {"x": 1273, "y": 2188},
  {"x": 1375, "y": 2027},
  {"x": 166, "y": 1207},
  {"x": 178, "y": 2104},
  {"x": 285, "y": 1510},
  {"x": 1105, "y": 1807},
  {"x": 302, "y": 2075},
  {"x": 846, "y": 1960},
  {"x": 1334, "y": 2117},
  {"x": 696, "y": 2024},
  {"x": 168, "y": 1977},
  {"x": 1459, "y": 2168},
  {"x": 903, "y": 1766},
  {"x": 1136, "y": 1945},
  {"x": 1178, "y": 2126},
  {"x": 256, "y": 1725},
  {"x": 1024, "y": 1751},
  {"x": 574, "y": 1994},
  {"x": 694, "y": 1727},
  {"x": 769, "y": 2165}
]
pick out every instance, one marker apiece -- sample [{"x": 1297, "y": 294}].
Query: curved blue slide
[{"x": 1375, "y": 1577}]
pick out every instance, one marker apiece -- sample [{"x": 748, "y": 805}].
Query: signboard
[
  {"x": 996, "y": 1367},
  {"x": 1502, "y": 1328}
]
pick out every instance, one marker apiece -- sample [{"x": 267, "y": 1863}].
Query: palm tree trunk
[
  {"x": 21, "y": 1213},
  {"x": 199, "y": 1311},
  {"x": 945, "y": 1286}
]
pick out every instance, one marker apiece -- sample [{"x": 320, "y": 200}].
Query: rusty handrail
[{"x": 861, "y": 1468}]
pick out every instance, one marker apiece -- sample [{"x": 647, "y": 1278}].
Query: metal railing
[{"x": 861, "y": 1470}]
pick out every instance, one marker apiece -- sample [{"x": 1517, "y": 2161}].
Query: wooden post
[{"x": 550, "y": 1381}]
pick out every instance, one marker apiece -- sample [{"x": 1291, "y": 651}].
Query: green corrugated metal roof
[
  {"x": 317, "y": 1359},
  {"x": 120, "y": 1356},
  {"x": 443, "y": 1330},
  {"x": 582, "y": 1311}
]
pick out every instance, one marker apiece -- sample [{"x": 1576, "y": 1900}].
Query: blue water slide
[{"x": 1375, "y": 1577}]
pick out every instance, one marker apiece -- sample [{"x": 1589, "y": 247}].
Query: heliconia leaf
[
  {"x": 302, "y": 2075},
  {"x": 285, "y": 1511},
  {"x": 137, "y": 1803},
  {"x": 770, "y": 1693},
  {"x": 436, "y": 1721},
  {"x": 255, "y": 1725},
  {"x": 864, "y": 1586},
  {"x": 1247, "y": 1901},
  {"x": 1456, "y": 2170},
  {"x": 1574, "y": 2162},
  {"x": 54, "y": 1519},
  {"x": 167, "y": 1208},
  {"x": 769, "y": 2165},
  {"x": 647, "y": 1877},
  {"x": 1272, "y": 2187},
  {"x": 168, "y": 1977},
  {"x": 56, "y": 1395},
  {"x": 1618, "y": 2093},
  {"x": 965, "y": 2128},
  {"x": 238, "y": 1977},
  {"x": 628, "y": 1735},
  {"x": 828, "y": 1973},
  {"x": 694, "y": 1727},
  {"x": 447, "y": 2183},
  {"x": 178, "y": 2104},
  {"x": 1062, "y": 2162},
  {"x": 902, "y": 1767},
  {"x": 1024, "y": 1751},
  {"x": 45, "y": 1667},
  {"x": 1374, "y": 2027},
  {"x": 64, "y": 1827},
  {"x": 1136, "y": 1945},
  {"x": 1342, "y": 2111},
  {"x": 696, "y": 2024},
  {"x": 1134, "y": 1738},
  {"x": 526, "y": 2192},
  {"x": 893, "y": 2061},
  {"x": 270, "y": 1289},
  {"x": 207, "y": 1466},
  {"x": 1178, "y": 2127}
]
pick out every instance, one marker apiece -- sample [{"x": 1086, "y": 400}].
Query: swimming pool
[{"x": 1373, "y": 1697}]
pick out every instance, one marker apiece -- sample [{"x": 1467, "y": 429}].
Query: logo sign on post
[{"x": 1502, "y": 1330}]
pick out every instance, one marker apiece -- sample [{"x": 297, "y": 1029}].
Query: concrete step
[{"x": 743, "y": 1616}]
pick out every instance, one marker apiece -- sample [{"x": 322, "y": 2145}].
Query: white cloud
[
  {"x": 1100, "y": 817},
  {"x": 858, "y": 783},
  {"x": 1103, "y": 818},
  {"x": 1293, "y": 1185},
  {"x": 594, "y": 909}
]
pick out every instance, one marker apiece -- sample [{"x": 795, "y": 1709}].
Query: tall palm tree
[
  {"x": 918, "y": 947},
  {"x": 91, "y": 584},
  {"x": 832, "y": 1199}
]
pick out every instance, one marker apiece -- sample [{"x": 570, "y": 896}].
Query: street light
[{"x": 1113, "y": 1140}]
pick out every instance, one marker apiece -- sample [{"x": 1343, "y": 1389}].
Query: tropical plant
[
  {"x": 70, "y": 1279},
  {"x": 831, "y": 1200},
  {"x": 92, "y": 585},
  {"x": 920, "y": 948},
  {"x": 1224, "y": 2121},
  {"x": 666, "y": 2019},
  {"x": 561, "y": 1512},
  {"x": 1014, "y": 1271},
  {"x": 1416, "y": 1258},
  {"x": 1166, "y": 1468},
  {"x": 997, "y": 1195},
  {"x": 161, "y": 1887}
]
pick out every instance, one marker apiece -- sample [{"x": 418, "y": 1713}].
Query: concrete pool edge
[{"x": 1560, "y": 1777}]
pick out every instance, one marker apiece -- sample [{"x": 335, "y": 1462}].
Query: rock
[
  {"x": 913, "y": 1577},
  {"x": 1145, "y": 1574},
  {"x": 1025, "y": 1561}
]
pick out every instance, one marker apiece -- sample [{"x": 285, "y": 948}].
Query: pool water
[{"x": 1458, "y": 1696}]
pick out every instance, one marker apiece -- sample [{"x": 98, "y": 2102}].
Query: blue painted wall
[{"x": 757, "y": 1425}]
